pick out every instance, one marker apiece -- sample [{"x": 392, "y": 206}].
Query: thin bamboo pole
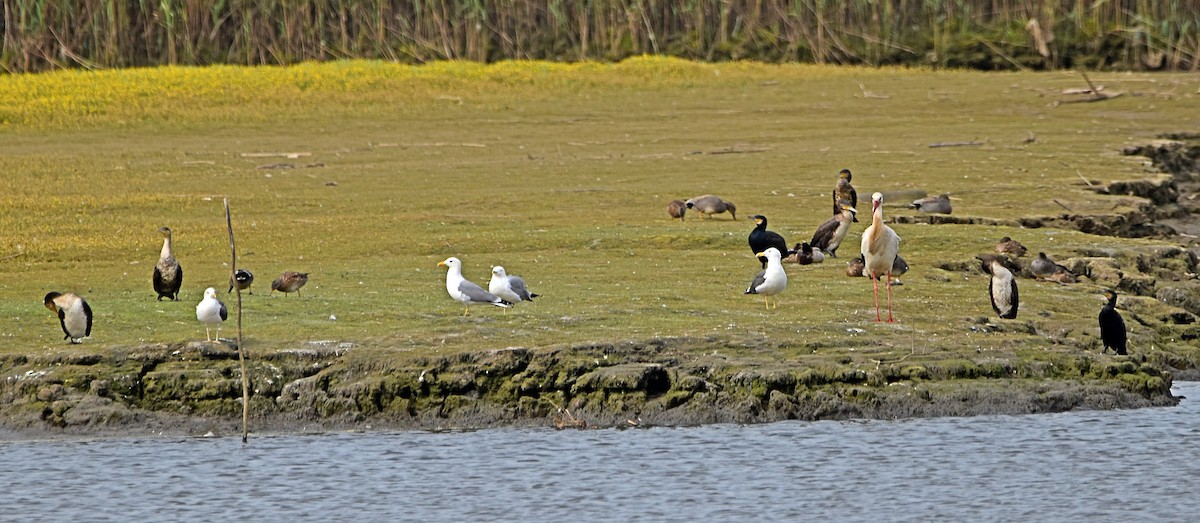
[{"x": 241, "y": 348}]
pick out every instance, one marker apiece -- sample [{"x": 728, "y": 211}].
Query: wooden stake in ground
[{"x": 240, "y": 347}]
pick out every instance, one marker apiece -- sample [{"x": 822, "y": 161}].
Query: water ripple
[{"x": 1096, "y": 466}]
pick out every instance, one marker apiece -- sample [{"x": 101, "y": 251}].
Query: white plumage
[
  {"x": 509, "y": 288},
  {"x": 770, "y": 281},
  {"x": 74, "y": 315},
  {"x": 465, "y": 291},
  {"x": 880, "y": 246},
  {"x": 1002, "y": 288},
  {"x": 211, "y": 312}
]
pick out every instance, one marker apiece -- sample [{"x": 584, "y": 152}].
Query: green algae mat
[{"x": 367, "y": 174}]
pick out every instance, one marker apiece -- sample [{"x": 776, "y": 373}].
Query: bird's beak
[
  {"x": 441, "y": 264},
  {"x": 760, "y": 253},
  {"x": 51, "y": 307}
]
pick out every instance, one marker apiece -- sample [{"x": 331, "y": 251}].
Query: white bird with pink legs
[{"x": 880, "y": 246}]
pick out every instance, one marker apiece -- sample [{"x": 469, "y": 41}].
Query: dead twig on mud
[
  {"x": 433, "y": 144},
  {"x": 730, "y": 150},
  {"x": 269, "y": 155},
  {"x": 565, "y": 420},
  {"x": 1095, "y": 91},
  {"x": 955, "y": 144},
  {"x": 1092, "y": 86},
  {"x": 1003, "y": 55},
  {"x": 1060, "y": 204},
  {"x": 241, "y": 348},
  {"x": 1085, "y": 180},
  {"x": 880, "y": 362},
  {"x": 869, "y": 94}
]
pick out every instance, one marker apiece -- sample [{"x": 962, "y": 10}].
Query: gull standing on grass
[
  {"x": 467, "y": 292},
  {"x": 770, "y": 281},
  {"x": 211, "y": 312},
  {"x": 509, "y": 288}
]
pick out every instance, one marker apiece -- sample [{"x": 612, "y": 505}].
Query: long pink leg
[
  {"x": 875, "y": 282},
  {"x": 889, "y": 293}
]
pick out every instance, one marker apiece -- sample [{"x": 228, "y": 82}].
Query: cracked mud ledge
[{"x": 194, "y": 390}]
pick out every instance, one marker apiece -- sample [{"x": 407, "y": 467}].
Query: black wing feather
[
  {"x": 87, "y": 312},
  {"x": 62, "y": 320}
]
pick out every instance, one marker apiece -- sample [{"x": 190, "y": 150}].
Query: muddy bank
[{"x": 195, "y": 389}]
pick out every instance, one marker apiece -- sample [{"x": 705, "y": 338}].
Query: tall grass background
[{"x": 981, "y": 34}]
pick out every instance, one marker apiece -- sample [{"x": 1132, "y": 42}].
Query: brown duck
[
  {"x": 289, "y": 282},
  {"x": 677, "y": 209},
  {"x": 1010, "y": 247}
]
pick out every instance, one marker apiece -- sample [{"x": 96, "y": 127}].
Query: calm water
[{"x": 1139, "y": 465}]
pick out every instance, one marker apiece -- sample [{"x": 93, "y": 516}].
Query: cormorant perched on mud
[
  {"x": 168, "y": 275},
  {"x": 73, "y": 312},
  {"x": 1002, "y": 287},
  {"x": 844, "y": 194},
  {"x": 829, "y": 235},
  {"x": 761, "y": 239},
  {"x": 1112, "y": 327}
]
